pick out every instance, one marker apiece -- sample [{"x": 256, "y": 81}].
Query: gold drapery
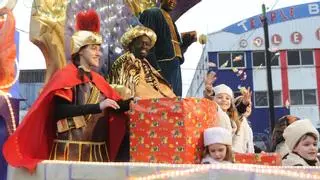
[
  {"x": 47, "y": 32},
  {"x": 138, "y": 6},
  {"x": 174, "y": 39}
]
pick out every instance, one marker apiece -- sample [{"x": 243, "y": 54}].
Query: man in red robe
[{"x": 76, "y": 110}]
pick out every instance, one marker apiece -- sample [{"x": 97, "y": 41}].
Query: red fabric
[
  {"x": 317, "y": 61},
  {"x": 268, "y": 159},
  {"x": 65, "y": 94},
  {"x": 32, "y": 141},
  {"x": 7, "y": 50},
  {"x": 88, "y": 21},
  {"x": 1, "y": 22},
  {"x": 284, "y": 75}
]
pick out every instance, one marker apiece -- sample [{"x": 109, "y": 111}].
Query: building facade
[
  {"x": 30, "y": 84},
  {"x": 237, "y": 55}
]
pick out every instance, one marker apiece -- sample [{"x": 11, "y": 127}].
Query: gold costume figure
[
  {"x": 140, "y": 77},
  {"x": 133, "y": 71}
]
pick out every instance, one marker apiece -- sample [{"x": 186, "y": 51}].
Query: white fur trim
[
  {"x": 217, "y": 135},
  {"x": 296, "y": 130},
  {"x": 222, "y": 88}
]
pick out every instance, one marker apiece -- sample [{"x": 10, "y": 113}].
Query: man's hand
[
  {"x": 109, "y": 103},
  {"x": 188, "y": 38}
]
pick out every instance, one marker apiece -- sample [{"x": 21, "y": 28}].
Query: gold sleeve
[{"x": 126, "y": 71}]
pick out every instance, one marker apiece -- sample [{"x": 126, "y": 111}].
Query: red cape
[{"x": 32, "y": 141}]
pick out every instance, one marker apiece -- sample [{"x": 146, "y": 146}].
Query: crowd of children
[{"x": 294, "y": 139}]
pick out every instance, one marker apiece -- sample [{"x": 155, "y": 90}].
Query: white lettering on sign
[
  {"x": 243, "y": 24},
  {"x": 296, "y": 38},
  {"x": 276, "y": 39},
  {"x": 314, "y": 9},
  {"x": 258, "y": 41}
]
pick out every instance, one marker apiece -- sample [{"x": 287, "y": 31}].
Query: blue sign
[{"x": 276, "y": 16}]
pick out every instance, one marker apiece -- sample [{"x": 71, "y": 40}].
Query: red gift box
[
  {"x": 270, "y": 159},
  {"x": 169, "y": 130}
]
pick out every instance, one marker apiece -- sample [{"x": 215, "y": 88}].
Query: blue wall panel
[
  {"x": 14, "y": 91},
  {"x": 228, "y": 77},
  {"x": 260, "y": 124}
]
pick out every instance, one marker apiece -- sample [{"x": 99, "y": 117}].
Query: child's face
[
  {"x": 307, "y": 148},
  {"x": 223, "y": 100},
  {"x": 217, "y": 151}
]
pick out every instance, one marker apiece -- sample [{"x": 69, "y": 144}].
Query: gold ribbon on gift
[
  {"x": 47, "y": 32},
  {"x": 138, "y": 6}
]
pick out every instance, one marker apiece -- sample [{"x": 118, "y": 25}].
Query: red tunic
[{"x": 32, "y": 141}]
